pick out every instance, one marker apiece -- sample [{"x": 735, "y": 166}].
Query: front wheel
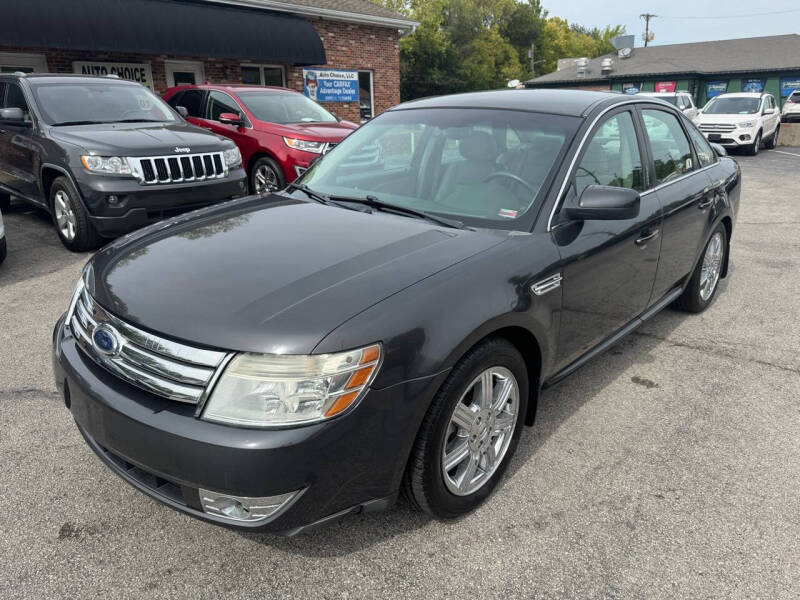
[
  {"x": 773, "y": 140},
  {"x": 753, "y": 148},
  {"x": 70, "y": 217},
  {"x": 266, "y": 176},
  {"x": 704, "y": 282},
  {"x": 470, "y": 431}
]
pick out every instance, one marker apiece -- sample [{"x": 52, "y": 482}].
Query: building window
[
  {"x": 184, "y": 72},
  {"x": 366, "y": 98},
  {"x": 264, "y": 75}
]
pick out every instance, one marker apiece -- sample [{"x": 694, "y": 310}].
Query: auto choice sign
[
  {"x": 138, "y": 72},
  {"x": 330, "y": 86}
]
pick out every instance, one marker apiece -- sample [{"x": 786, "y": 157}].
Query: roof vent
[
  {"x": 582, "y": 64},
  {"x": 607, "y": 65}
]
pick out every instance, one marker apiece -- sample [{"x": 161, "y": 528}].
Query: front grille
[
  {"x": 164, "y": 367},
  {"x": 151, "y": 170},
  {"x": 717, "y": 127}
]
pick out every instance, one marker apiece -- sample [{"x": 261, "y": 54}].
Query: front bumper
[
  {"x": 737, "y": 137},
  {"x": 138, "y": 205},
  {"x": 349, "y": 463}
]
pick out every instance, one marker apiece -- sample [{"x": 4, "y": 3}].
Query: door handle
[
  {"x": 706, "y": 203},
  {"x": 646, "y": 237}
]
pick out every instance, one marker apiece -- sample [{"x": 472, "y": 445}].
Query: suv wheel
[
  {"x": 470, "y": 431},
  {"x": 72, "y": 223},
  {"x": 773, "y": 140},
  {"x": 753, "y": 148},
  {"x": 266, "y": 176},
  {"x": 703, "y": 285}
]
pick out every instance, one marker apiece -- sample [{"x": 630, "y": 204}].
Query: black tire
[
  {"x": 424, "y": 483},
  {"x": 692, "y": 300},
  {"x": 86, "y": 236},
  {"x": 266, "y": 163},
  {"x": 3, "y": 249},
  {"x": 753, "y": 148},
  {"x": 773, "y": 139},
  {"x": 5, "y": 201}
]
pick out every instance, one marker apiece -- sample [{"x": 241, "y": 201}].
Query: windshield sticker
[{"x": 508, "y": 213}]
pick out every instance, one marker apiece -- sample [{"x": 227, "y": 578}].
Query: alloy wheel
[
  {"x": 480, "y": 431},
  {"x": 712, "y": 264},
  {"x": 65, "y": 216},
  {"x": 265, "y": 180}
]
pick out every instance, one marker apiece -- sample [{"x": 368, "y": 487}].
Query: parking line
[{"x": 789, "y": 153}]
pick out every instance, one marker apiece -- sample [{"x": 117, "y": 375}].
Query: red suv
[{"x": 279, "y": 131}]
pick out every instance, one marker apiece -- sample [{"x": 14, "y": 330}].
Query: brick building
[{"x": 161, "y": 43}]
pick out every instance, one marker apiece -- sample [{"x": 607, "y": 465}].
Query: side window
[
  {"x": 221, "y": 103},
  {"x": 175, "y": 100},
  {"x": 704, "y": 152},
  {"x": 672, "y": 152},
  {"x": 192, "y": 101},
  {"x": 15, "y": 99},
  {"x": 612, "y": 156}
]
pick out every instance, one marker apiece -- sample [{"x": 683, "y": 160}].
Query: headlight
[
  {"x": 268, "y": 390},
  {"x": 747, "y": 124},
  {"x": 233, "y": 158},
  {"x": 111, "y": 165},
  {"x": 304, "y": 145}
]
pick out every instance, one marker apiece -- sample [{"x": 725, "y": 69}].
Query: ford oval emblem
[{"x": 105, "y": 340}]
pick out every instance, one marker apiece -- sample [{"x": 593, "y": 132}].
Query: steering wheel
[
  {"x": 514, "y": 178},
  {"x": 590, "y": 174}
]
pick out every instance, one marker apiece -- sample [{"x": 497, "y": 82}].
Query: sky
[{"x": 684, "y": 20}]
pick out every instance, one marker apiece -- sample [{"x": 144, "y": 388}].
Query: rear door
[
  {"x": 684, "y": 189},
  {"x": 609, "y": 266}
]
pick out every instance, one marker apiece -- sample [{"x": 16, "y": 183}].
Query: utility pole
[
  {"x": 533, "y": 61},
  {"x": 647, "y": 17}
]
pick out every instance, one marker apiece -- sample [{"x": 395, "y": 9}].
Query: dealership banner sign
[
  {"x": 326, "y": 85},
  {"x": 753, "y": 85},
  {"x": 632, "y": 88},
  {"x": 715, "y": 88},
  {"x": 789, "y": 85},
  {"x": 666, "y": 86},
  {"x": 138, "y": 72}
]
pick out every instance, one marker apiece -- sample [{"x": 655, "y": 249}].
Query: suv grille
[
  {"x": 150, "y": 170},
  {"x": 161, "y": 366},
  {"x": 717, "y": 127}
]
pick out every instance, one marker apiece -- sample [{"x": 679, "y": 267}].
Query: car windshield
[
  {"x": 484, "y": 167},
  {"x": 732, "y": 106},
  {"x": 794, "y": 98},
  {"x": 285, "y": 107},
  {"x": 99, "y": 102}
]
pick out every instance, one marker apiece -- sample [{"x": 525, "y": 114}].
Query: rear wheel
[
  {"x": 470, "y": 432},
  {"x": 753, "y": 148},
  {"x": 703, "y": 285},
  {"x": 266, "y": 176},
  {"x": 70, "y": 218}
]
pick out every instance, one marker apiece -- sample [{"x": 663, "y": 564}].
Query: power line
[{"x": 762, "y": 14}]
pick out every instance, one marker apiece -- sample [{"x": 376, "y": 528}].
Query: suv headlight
[
  {"x": 305, "y": 145},
  {"x": 747, "y": 124},
  {"x": 268, "y": 390},
  {"x": 110, "y": 165},
  {"x": 232, "y": 156}
]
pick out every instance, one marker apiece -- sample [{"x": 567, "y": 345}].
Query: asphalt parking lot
[{"x": 668, "y": 467}]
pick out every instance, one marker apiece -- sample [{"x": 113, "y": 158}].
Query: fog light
[
  {"x": 249, "y": 510},
  {"x": 744, "y": 137},
  {"x": 112, "y": 200}
]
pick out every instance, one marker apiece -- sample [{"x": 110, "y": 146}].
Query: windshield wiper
[
  {"x": 377, "y": 204},
  {"x": 79, "y": 123},
  {"x": 140, "y": 121}
]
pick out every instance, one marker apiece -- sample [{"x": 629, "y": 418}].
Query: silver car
[{"x": 683, "y": 100}]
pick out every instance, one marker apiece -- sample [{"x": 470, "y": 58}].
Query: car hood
[
  {"x": 320, "y": 132},
  {"x": 140, "y": 139},
  {"x": 728, "y": 118},
  {"x": 273, "y": 274}
]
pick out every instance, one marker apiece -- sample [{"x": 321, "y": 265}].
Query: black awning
[{"x": 172, "y": 27}]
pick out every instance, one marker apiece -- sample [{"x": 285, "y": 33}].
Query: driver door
[{"x": 609, "y": 266}]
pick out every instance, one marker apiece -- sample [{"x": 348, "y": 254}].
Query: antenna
[{"x": 647, "y": 35}]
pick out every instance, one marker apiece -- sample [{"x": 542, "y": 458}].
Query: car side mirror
[
  {"x": 603, "y": 203},
  {"x": 230, "y": 119},
  {"x": 769, "y": 111},
  {"x": 182, "y": 111},
  {"x": 719, "y": 150},
  {"x": 12, "y": 115}
]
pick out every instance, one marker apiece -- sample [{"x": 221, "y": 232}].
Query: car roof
[
  {"x": 64, "y": 78},
  {"x": 235, "y": 88},
  {"x": 655, "y": 94},
  {"x": 559, "y": 101},
  {"x": 744, "y": 94}
]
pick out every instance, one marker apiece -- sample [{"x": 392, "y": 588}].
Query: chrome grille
[
  {"x": 161, "y": 366},
  {"x": 152, "y": 170},
  {"x": 717, "y": 127}
]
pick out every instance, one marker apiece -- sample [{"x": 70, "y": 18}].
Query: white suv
[
  {"x": 791, "y": 110},
  {"x": 682, "y": 100},
  {"x": 743, "y": 120}
]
